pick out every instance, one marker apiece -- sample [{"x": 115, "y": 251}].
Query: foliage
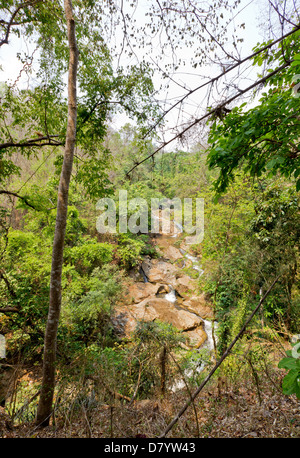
[
  {"x": 251, "y": 229},
  {"x": 89, "y": 255},
  {"x": 88, "y": 316},
  {"x": 291, "y": 381},
  {"x": 264, "y": 139},
  {"x": 130, "y": 250},
  {"x": 153, "y": 343}
]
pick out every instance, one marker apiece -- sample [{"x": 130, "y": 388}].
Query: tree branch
[
  {"x": 216, "y": 78},
  {"x": 48, "y": 140},
  {"x": 9, "y": 310},
  {"x": 211, "y": 112},
  {"x": 9, "y": 287},
  {"x": 11, "y": 21},
  {"x": 10, "y": 193}
]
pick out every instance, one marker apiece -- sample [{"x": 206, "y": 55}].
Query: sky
[{"x": 186, "y": 76}]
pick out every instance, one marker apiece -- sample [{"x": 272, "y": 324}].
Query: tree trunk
[
  {"x": 48, "y": 382},
  {"x": 163, "y": 362}
]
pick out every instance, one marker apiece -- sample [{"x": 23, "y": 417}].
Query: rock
[
  {"x": 163, "y": 289},
  {"x": 199, "y": 306},
  {"x": 119, "y": 321},
  {"x": 138, "y": 312},
  {"x": 197, "y": 337},
  {"x": 159, "y": 271},
  {"x": 161, "y": 310},
  {"x": 136, "y": 275},
  {"x": 140, "y": 290},
  {"x": 172, "y": 253},
  {"x": 186, "y": 321},
  {"x": 185, "y": 285}
]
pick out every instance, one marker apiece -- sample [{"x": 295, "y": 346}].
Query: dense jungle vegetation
[{"x": 244, "y": 161}]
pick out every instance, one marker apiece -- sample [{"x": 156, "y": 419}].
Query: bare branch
[
  {"x": 39, "y": 141},
  {"x": 216, "y": 78},
  {"x": 10, "y": 193},
  {"x": 9, "y": 310},
  {"x": 281, "y": 16},
  {"x": 215, "y": 110}
]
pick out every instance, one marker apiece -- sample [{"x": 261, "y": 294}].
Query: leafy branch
[
  {"x": 215, "y": 111},
  {"x": 12, "y": 22}
]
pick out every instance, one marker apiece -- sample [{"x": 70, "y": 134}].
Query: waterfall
[
  {"x": 195, "y": 261},
  {"x": 171, "y": 296},
  {"x": 141, "y": 270}
]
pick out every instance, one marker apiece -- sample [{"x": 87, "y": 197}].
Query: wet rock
[{"x": 163, "y": 289}]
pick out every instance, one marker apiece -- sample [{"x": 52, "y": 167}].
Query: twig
[
  {"x": 137, "y": 386},
  {"x": 220, "y": 75},
  {"x": 211, "y": 112}
]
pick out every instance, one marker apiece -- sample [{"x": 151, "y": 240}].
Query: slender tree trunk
[
  {"x": 48, "y": 382},
  {"x": 163, "y": 362}
]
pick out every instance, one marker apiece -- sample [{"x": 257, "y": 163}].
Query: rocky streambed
[{"x": 161, "y": 289}]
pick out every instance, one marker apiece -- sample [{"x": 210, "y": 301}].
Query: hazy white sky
[{"x": 185, "y": 78}]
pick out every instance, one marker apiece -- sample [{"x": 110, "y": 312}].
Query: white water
[
  {"x": 208, "y": 325},
  {"x": 195, "y": 261},
  {"x": 199, "y": 365},
  {"x": 208, "y": 328},
  {"x": 171, "y": 296}
]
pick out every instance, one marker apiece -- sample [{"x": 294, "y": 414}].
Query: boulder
[
  {"x": 185, "y": 285},
  {"x": 172, "y": 253},
  {"x": 197, "y": 337},
  {"x": 161, "y": 310},
  {"x": 140, "y": 290},
  {"x": 159, "y": 271},
  {"x": 163, "y": 289},
  {"x": 199, "y": 306}
]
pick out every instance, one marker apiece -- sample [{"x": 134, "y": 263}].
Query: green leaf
[
  {"x": 290, "y": 382},
  {"x": 288, "y": 363}
]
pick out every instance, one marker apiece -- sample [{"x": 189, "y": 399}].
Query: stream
[{"x": 171, "y": 296}]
